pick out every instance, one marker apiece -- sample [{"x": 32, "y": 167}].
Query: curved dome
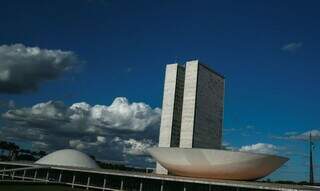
[
  {"x": 217, "y": 164},
  {"x": 68, "y": 157}
]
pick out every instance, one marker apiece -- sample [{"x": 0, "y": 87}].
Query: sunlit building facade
[{"x": 192, "y": 108}]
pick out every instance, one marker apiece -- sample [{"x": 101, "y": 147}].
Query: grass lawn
[{"x": 22, "y": 187}]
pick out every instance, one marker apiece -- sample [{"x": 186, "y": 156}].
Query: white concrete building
[
  {"x": 202, "y": 110},
  {"x": 191, "y": 130},
  {"x": 216, "y": 164},
  {"x": 192, "y": 108}
]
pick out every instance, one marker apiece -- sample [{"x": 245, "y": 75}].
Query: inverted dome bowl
[{"x": 216, "y": 164}]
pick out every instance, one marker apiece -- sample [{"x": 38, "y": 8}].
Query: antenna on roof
[{"x": 311, "y": 178}]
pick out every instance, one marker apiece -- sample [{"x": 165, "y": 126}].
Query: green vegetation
[
  {"x": 21, "y": 187},
  {"x": 14, "y": 152}
]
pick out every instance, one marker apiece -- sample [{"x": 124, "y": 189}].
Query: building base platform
[{"x": 113, "y": 180}]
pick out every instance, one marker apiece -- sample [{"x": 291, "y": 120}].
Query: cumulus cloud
[
  {"x": 54, "y": 125},
  {"x": 228, "y": 146},
  {"x": 120, "y": 115},
  {"x": 315, "y": 133},
  {"x": 7, "y": 104},
  {"x": 245, "y": 131},
  {"x": 135, "y": 151},
  {"x": 291, "y": 47},
  {"x": 23, "y": 68},
  {"x": 134, "y": 147},
  {"x": 260, "y": 148},
  {"x": 81, "y": 145}
]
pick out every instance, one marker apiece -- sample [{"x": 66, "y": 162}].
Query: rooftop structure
[{"x": 68, "y": 157}]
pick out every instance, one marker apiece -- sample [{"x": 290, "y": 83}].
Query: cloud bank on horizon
[
  {"x": 24, "y": 68},
  {"x": 262, "y": 148},
  {"x": 109, "y": 132},
  {"x": 315, "y": 134},
  {"x": 121, "y": 131}
]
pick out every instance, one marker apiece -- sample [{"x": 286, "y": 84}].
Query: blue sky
[{"x": 267, "y": 50}]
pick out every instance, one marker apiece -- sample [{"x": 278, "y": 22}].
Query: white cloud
[
  {"x": 90, "y": 128},
  {"x": 135, "y": 150},
  {"x": 135, "y": 147},
  {"x": 120, "y": 115},
  {"x": 23, "y": 68},
  {"x": 260, "y": 148},
  {"x": 82, "y": 145},
  {"x": 315, "y": 133},
  {"x": 228, "y": 146},
  {"x": 291, "y": 133},
  {"x": 245, "y": 131},
  {"x": 128, "y": 70},
  {"x": 250, "y": 127},
  {"x": 291, "y": 47},
  {"x": 39, "y": 145}
]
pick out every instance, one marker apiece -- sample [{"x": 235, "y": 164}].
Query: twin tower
[{"x": 192, "y": 108}]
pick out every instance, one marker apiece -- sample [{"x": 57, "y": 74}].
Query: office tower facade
[
  {"x": 202, "y": 113},
  {"x": 171, "y": 109},
  {"x": 172, "y": 106},
  {"x": 192, "y": 108}
]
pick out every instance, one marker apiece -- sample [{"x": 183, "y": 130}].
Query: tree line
[{"x": 10, "y": 151}]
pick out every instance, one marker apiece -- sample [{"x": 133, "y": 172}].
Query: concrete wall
[
  {"x": 171, "y": 109},
  {"x": 189, "y": 104},
  {"x": 209, "y": 109},
  {"x": 202, "y": 112},
  {"x": 177, "y": 110},
  {"x": 192, "y": 108}
]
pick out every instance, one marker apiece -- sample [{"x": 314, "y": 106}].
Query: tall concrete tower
[
  {"x": 192, "y": 108},
  {"x": 171, "y": 109},
  {"x": 172, "y": 106},
  {"x": 202, "y": 110}
]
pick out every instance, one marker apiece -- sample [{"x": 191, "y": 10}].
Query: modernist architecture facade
[
  {"x": 216, "y": 163},
  {"x": 191, "y": 130},
  {"x": 190, "y": 140},
  {"x": 192, "y": 108},
  {"x": 172, "y": 106}
]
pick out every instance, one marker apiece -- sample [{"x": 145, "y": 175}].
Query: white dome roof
[{"x": 68, "y": 157}]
